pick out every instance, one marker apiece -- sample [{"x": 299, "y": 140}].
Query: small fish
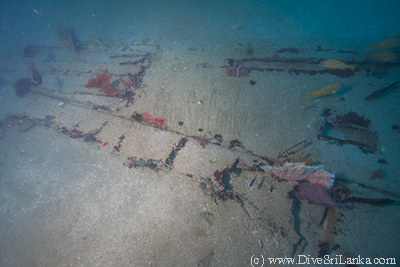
[
  {"x": 390, "y": 42},
  {"x": 252, "y": 181},
  {"x": 335, "y": 64},
  {"x": 332, "y": 88},
  {"x": 384, "y": 56},
  {"x": 37, "y": 12}
]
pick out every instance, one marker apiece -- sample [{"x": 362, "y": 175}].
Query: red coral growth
[
  {"x": 238, "y": 70},
  {"x": 158, "y": 120},
  {"x": 217, "y": 175},
  {"x": 102, "y": 81},
  {"x": 203, "y": 141},
  {"x": 224, "y": 194}
]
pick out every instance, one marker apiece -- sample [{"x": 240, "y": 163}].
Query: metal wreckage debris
[{"x": 347, "y": 129}]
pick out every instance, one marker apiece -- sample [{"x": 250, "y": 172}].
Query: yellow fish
[
  {"x": 335, "y": 64},
  {"x": 390, "y": 42},
  {"x": 332, "y": 88},
  {"x": 384, "y": 56}
]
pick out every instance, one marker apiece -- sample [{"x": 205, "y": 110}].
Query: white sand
[{"x": 69, "y": 202}]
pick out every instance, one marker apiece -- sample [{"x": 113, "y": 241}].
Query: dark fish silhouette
[{"x": 252, "y": 181}]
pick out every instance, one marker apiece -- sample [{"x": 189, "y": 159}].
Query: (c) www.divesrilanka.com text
[{"x": 337, "y": 259}]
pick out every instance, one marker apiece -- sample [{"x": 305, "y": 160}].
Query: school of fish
[{"x": 383, "y": 56}]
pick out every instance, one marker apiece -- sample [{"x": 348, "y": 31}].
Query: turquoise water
[{"x": 229, "y": 77}]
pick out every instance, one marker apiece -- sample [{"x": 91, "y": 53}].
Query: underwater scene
[{"x": 199, "y": 133}]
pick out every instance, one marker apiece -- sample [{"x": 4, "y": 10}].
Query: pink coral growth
[
  {"x": 314, "y": 193},
  {"x": 238, "y": 70},
  {"x": 296, "y": 172},
  {"x": 241, "y": 164}
]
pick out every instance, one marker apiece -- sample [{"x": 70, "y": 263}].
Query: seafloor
[{"x": 90, "y": 179}]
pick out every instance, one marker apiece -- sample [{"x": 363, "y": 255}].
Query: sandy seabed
[{"x": 74, "y": 202}]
